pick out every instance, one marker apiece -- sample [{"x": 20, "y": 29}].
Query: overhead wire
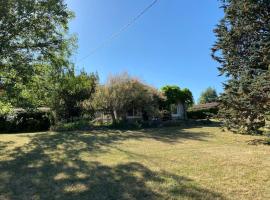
[{"x": 118, "y": 33}]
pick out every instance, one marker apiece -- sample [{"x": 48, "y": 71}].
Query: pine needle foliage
[{"x": 243, "y": 51}]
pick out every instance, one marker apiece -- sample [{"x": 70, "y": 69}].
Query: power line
[{"x": 124, "y": 28}]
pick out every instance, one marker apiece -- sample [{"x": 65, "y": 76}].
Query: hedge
[
  {"x": 202, "y": 114},
  {"x": 34, "y": 121}
]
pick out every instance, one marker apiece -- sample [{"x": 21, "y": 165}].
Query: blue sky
[{"x": 170, "y": 44}]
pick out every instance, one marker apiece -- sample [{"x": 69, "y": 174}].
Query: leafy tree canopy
[
  {"x": 174, "y": 95},
  {"x": 34, "y": 49},
  {"x": 122, "y": 93},
  {"x": 73, "y": 90},
  {"x": 208, "y": 96}
]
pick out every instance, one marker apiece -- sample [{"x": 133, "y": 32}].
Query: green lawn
[{"x": 168, "y": 163}]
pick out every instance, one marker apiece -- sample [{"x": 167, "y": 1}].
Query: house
[
  {"x": 134, "y": 114},
  {"x": 178, "y": 111}
]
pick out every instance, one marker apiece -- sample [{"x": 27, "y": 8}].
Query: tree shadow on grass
[
  {"x": 173, "y": 135},
  {"x": 4, "y": 146},
  {"x": 76, "y": 142},
  {"x": 94, "y": 181},
  {"x": 50, "y": 167},
  {"x": 264, "y": 141}
]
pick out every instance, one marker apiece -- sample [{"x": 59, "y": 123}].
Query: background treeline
[
  {"x": 80, "y": 98},
  {"x": 36, "y": 70}
]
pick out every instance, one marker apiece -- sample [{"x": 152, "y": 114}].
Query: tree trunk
[{"x": 113, "y": 117}]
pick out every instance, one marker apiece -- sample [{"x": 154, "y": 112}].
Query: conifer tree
[
  {"x": 243, "y": 51},
  {"x": 208, "y": 96}
]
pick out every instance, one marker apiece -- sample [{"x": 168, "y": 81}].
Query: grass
[{"x": 166, "y": 163}]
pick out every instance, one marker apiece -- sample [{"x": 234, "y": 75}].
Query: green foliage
[
  {"x": 208, "y": 96},
  {"x": 243, "y": 49},
  {"x": 174, "y": 95},
  {"x": 73, "y": 90},
  {"x": 80, "y": 125},
  {"x": 246, "y": 103},
  {"x": 5, "y": 108},
  {"x": 34, "y": 49},
  {"x": 202, "y": 114},
  {"x": 27, "y": 121},
  {"x": 187, "y": 97}
]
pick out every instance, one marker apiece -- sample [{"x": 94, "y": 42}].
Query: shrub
[
  {"x": 27, "y": 122},
  {"x": 165, "y": 115},
  {"x": 3, "y": 123},
  {"x": 80, "y": 125},
  {"x": 202, "y": 114},
  {"x": 70, "y": 98}
]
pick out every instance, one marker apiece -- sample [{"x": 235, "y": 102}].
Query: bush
[
  {"x": 27, "y": 122},
  {"x": 202, "y": 114},
  {"x": 165, "y": 115},
  {"x": 80, "y": 125},
  {"x": 3, "y": 124}
]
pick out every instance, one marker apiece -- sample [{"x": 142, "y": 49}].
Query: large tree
[
  {"x": 208, "y": 96},
  {"x": 71, "y": 94},
  {"x": 34, "y": 49},
  {"x": 243, "y": 51},
  {"x": 122, "y": 93},
  {"x": 175, "y": 94}
]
